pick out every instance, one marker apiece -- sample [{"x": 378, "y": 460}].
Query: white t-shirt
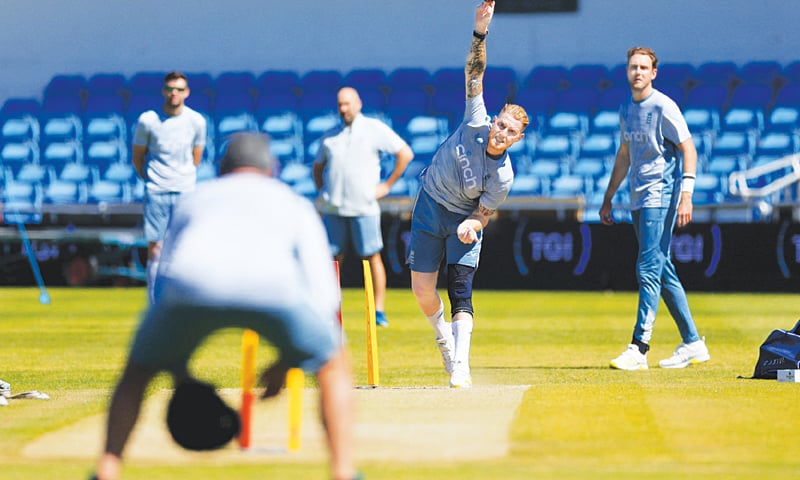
[
  {"x": 247, "y": 240},
  {"x": 170, "y": 141},
  {"x": 352, "y": 159}
]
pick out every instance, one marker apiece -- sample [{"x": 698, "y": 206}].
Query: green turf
[{"x": 578, "y": 420}]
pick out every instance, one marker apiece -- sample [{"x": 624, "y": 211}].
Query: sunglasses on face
[{"x": 174, "y": 89}]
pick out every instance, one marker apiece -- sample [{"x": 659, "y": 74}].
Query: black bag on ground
[{"x": 780, "y": 351}]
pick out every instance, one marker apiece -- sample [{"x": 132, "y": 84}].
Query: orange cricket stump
[{"x": 249, "y": 344}]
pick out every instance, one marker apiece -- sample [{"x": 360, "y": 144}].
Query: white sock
[
  {"x": 462, "y": 330},
  {"x": 440, "y": 326},
  {"x": 152, "y": 270}
]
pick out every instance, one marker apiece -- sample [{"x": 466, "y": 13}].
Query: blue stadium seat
[
  {"x": 103, "y": 118},
  {"x": 526, "y": 184},
  {"x": 791, "y": 73},
  {"x": 106, "y": 84},
  {"x": 22, "y": 202},
  {"x": 585, "y": 75},
  {"x": 402, "y": 105},
  {"x": 325, "y": 82},
  {"x": 677, "y": 74},
  {"x": 19, "y": 120},
  {"x": 372, "y": 79},
  {"x": 589, "y": 167},
  {"x": 410, "y": 79},
  {"x": 199, "y": 82},
  {"x": 449, "y": 80},
  {"x": 605, "y": 118},
  {"x": 234, "y": 112},
  {"x": 568, "y": 186},
  {"x": 723, "y": 165},
  {"x": 60, "y": 119},
  {"x": 732, "y": 144},
  {"x": 538, "y": 103},
  {"x": 675, "y": 93},
  {"x": 767, "y": 73},
  {"x": 717, "y": 73},
  {"x": 571, "y": 111},
  {"x": 501, "y": 79},
  {"x": 373, "y": 101},
  {"x": 747, "y": 107},
  {"x": 231, "y": 84},
  {"x": 57, "y": 154},
  {"x": 554, "y": 147},
  {"x": 617, "y": 76},
  {"x": 776, "y": 144},
  {"x": 15, "y": 155},
  {"x": 598, "y": 145},
  {"x": 450, "y": 104},
  {"x": 785, "y": 112},
  {"x": 149, "y": 83},
  {"x": 294, "y": 172},
  {"x": 546, "y": 77},
  {"x": 106, "y": 152},
  {"x": 66, "y": 86},
  {"x": 282, "y": 82},
  {"x": 317, "y": 103},
  {"x": 708, "y": 190},
  {"x": 703, "y": 108},
  {"x": 67, "y": 188}
]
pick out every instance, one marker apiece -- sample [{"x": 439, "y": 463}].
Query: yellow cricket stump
[
  {"x": 295, "y": 380},
  {"x": 249, "y": 344},
  {"x": 373, "y": 375}
]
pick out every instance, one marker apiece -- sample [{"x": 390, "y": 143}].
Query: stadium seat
[
  {"x": 323, "y": 82},
  {"x": 103, "y": 118},
  {"x": 105, "y": 152},
  {"x": 598, "y": 145},
  {"x": 605, "y": 118},
  {"x": 501, "y": 79},
  {"x": 234, "y": 112},
  {"x": 402, "y": 105},
  {"x": 294, "y": 172},
  {"x": 448, "y": 80},
  {"x": 19, "y": 120},
  {"x": 617, "y": 76},
  {"x": 148, "y": 83},
  {"x": 57, "y": 154},
  {"x": 791, "y": 73},
  {"x": 707, "y": 190},
  {"x": 410, "y": 79},
  {"x": 199, "y": 82},
  {"x": 723, "y": 165},
  {"x": 373, "y": 102},
  {"x": 15, "y": 155},
  {"x": 22, "y": 201},
  {"x": 776, "y": 144},
  {"x": 570, "y": 113},
  {"x": 106, "y": 84},
  {"x": 767, "y": 73},
  {"x": 538, "y": 103},
  {"x": 526, "y": 184},
  {"x": 64, "y": 192},
  {"x": 60, "y": 119},
  {"x": 546, "y": 77},
  {"x": 677, "y": 74},
  {"x": 554, "y": 147},
  {"x": 371, "y": 79},
  {"x": 746, "y": 109},
  {"x": 785, "y": 112},
  {"x": 230, "y": 84},
  {"x": 66, "y": 86},
  {"x": 568, "y": 186},
  {"x": 721, "y": 74},
  {"x": 703, "y": 108},
  {"x": 732, "y": 144},
  {"x": 589, "y": 167},
  {"x": 284, "y": 82},
  {"x": 594, "y": 76}
]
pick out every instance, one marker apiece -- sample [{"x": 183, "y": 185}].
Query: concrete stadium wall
[{"x": 41, "y": 38}]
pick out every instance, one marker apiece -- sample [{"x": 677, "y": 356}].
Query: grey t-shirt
[
  {"x": 170, "y": 141},
  {"x": 461, "y": 174},
  {"x": 653, "y": 128},
  {"x": 351, "y": 156}
]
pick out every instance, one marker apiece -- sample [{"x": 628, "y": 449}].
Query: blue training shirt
[
  {"x": 461, "y": 174},
  {"x": 653, "y": 128}
]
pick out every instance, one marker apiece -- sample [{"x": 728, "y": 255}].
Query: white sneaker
[
  {"x": 447, "y": 347},
  {"x": 3, "y": 401},
  {"x": 630, "y": 359},
  {"x": 686, "y": 354},
  {"x": 5, "y": 389},
  {"x": 460, "y": 378}
]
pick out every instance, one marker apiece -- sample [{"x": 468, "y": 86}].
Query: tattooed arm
[{"x": 476, "y": 58}]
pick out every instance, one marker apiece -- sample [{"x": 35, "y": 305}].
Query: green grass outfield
[{"x": 579, "y": 419}]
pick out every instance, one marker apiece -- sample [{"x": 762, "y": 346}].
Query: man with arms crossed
[
  {"x": 347, "y": 174},
  {"x": 167, "y": 147},
  {"x": 279, "y": 283},
  {"x": 654, "y": 137},
  {"x": 469, "y": 177}
]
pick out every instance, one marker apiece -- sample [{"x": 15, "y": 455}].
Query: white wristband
[{"x": 687, "y": 185}]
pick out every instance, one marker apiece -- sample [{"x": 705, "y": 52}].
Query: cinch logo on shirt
[
  {"x": 635, "y": 137},
  {"x": 470, "y": 180}
]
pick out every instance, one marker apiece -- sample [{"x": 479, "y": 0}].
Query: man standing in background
[
  {"x": 167, "y": 147},
  {"x": 654, "y": 137},
  {"x": 347, "y": 172}
]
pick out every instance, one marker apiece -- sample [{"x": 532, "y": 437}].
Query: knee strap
[{"x": 459, "y": 288}]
